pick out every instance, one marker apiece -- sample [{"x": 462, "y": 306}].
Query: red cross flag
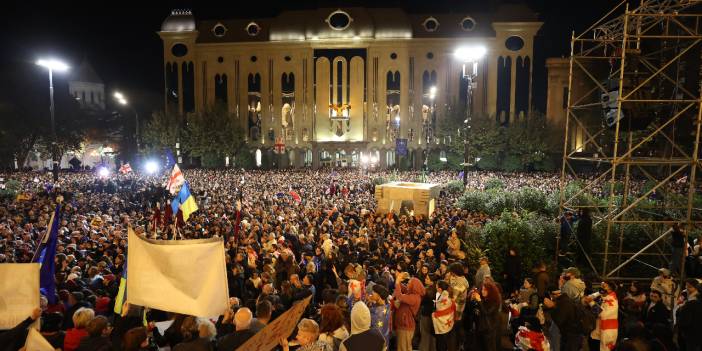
[
  {"x": 126, "y": 168},
  {"x": 279, "y": 146}
]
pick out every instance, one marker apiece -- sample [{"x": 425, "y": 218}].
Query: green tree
[
  {"x": 162, "y": 131},
  {"x": 212, "y": 135}
]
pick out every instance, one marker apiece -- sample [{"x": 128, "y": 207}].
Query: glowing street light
[
  {"x": 151, "y": 167},
  {"x": 103, "y": 172},
  {"x": 53, "y": 65},
  {"x": 58, "y": 66}
]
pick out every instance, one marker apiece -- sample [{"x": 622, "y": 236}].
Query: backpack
[{"x": 585, "y": 319}]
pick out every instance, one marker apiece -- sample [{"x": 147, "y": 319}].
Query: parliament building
[{"x": 344, "y": 86}]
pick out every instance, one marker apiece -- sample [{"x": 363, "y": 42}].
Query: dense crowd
[{"x": 377, "y": 281}]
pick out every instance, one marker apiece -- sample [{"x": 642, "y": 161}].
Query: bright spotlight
[
  {"x": 397, "y": 119},
  {"x": 53, "y": 64},
  {"x": 118, "y": 95},
  {"x": 374, "y": 159},
  {"x": 103, "y": 172},
  {"x": 151, "y": 167},
  {"x": 470, "y": 53},
  {"x": 364, "y": 159}
]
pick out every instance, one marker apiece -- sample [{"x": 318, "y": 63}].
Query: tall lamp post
[
  {"x": 469, "y": 56},
  {"x": 58, "y": 66},
  {"x": 432, "y": 117},
  {"x": 123, "y": 101}
]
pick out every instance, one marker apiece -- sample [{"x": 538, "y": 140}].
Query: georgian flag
[
  {"x": 126, "y": 168},
  {"x": 175, "y": 181}
]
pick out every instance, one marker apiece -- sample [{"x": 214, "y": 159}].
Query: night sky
[{"x": 120, "y": 40}]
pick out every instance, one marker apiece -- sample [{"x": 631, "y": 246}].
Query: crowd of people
[{"x": 376, "y": 281}]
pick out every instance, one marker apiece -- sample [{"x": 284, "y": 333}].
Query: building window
[
  {"x": 92, "y": 97},
  {"x": 467, "y": 24},
  {"x": 253, "y": 29},
  {"x": 219, "y": 30},
  {"x": 430, "y": 24},
  {"x": 430, "y": 55},
  {"x": 220, "y": 59},
  {"x": 179, "y": 50},
  {"x": 565, "y": 98},
  {"x": 514, "y": 43},
  {"x": 393, "y": 56},
  {"x": 254, "y": 58},
  {"x": 339, "y": 20}
]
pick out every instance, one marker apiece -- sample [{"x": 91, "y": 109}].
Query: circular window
[
  {"x": 430, "y": 55},
  {"x": 430, "y": 24},
  {"x": 514, "y": 43},
  {"x": 254, "y": 58},
  {"x": 219, "y": 30},
  {"x": 287, "y": 58},
  {"x": 253, "y": 29},
  {"x": 220, "y": 59},
  {"x": 339, "y": 20},
  {"x": 467, "y": 24},
  {"x": 179, "y": 50},
  {"x": 393, "y": 56}
]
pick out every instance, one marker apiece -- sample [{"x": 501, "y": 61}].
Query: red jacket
[
  {"x": 410, "y": 298},
  {"x": 73, "y": 337}
]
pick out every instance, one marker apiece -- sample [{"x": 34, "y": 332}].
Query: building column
[
  {"x": 512, "y": 87},
  {"x": 315, "y": 156}
]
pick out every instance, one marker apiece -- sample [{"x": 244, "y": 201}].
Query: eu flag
[{"x": 47, "y": 283}]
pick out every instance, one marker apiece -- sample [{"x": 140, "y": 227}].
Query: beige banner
[
  {"x": 37, "y": 342},
  {"x": 183, "y": 276},
  {"x": 19, "y": 292},
  {"x": 269, "y": 337}
]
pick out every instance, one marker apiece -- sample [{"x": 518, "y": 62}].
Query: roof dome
[{"x": 179, "y": 21}]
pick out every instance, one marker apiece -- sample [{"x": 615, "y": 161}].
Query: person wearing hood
[
  {"x": 407, "y": 300},
  {"x": 363, "y": 337},
  {"x": 380, "y": 310}
]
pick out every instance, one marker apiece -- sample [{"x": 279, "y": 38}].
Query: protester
[
  {"x": 363, "y": 337},
  {"x": 307, "y": 337},
  {"x": 281, "y": 249}
]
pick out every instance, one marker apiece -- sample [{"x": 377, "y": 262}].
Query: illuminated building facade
[{"x": 338, "y": 86}]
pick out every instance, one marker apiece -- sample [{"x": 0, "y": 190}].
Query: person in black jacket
[
  {"x": 14, "y": 338},
  {"x": 689, "y": 328},
  {"x": 563, "y": 314},
  {"x": 513, "y": 272},
  {"x": 488, "y": 303},
  {"x": 655, "y": 312}
]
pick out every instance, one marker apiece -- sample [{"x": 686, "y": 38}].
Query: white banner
[
  {"x": 19, "y": 292},
  {"x": 183, "y": 276},
  {"x": 37, "y": 342}
]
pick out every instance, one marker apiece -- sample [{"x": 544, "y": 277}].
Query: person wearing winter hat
[
  {"x": 363, "y": 337},
  {"x": 380, "y": 310}
]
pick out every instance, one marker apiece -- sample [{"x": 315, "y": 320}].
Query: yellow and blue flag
[
  {"x": 184, "y": 201},
  {"x": 122, "y": 292}
]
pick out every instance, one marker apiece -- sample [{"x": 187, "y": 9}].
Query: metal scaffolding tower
[{"x": 632, "y": 134}]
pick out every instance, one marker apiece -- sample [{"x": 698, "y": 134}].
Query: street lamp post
[
  {"x": 432, "y": 111},
  {"x": 470, "y": 57},
  {"x": 53, "y": 65},
  {"x": 123, "y": 101}
]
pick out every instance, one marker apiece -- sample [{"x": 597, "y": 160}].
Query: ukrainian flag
[
  {"x": 185, "y": 202},
  {"x": 122, "y": 292}
]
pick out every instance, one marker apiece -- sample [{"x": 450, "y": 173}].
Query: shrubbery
[
  {"x": 494, "y": 183},
  {"x": 454, "y": 187},
  {"x": 527, "y": 232}
]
